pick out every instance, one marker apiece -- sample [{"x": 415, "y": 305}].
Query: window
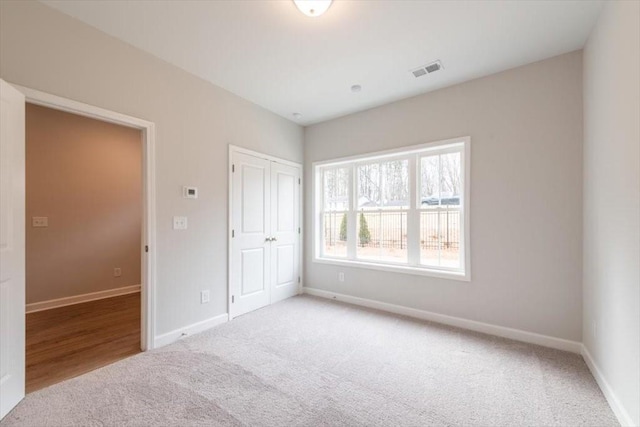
[
  {"x": 402, "y": 210},
  {"x": 335, "y": 208}
]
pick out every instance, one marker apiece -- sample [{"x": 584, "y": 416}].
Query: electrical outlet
[
  {"x": 341, "y": 277},
  {"x": 117, "y": 272},
  {"x": 204, "y": 297},
  {"x": 179, "y": 222}
]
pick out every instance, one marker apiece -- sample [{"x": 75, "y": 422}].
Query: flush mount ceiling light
[{"x": 313, "y": 8}]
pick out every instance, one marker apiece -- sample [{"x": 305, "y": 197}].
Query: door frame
[
  {"x": 236, "y": 149},
  {"x": 148, "y": 258}
]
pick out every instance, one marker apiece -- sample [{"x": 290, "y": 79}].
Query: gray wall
[
  {"x": 525, "y": 126},
  {"x": 612, "y": 201},
  {"x": 195, "y": 121}
]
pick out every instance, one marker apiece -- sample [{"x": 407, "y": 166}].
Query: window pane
[
  {"x": 450, "y": 179},
  {"x": 429, "y": 179},
  {"x": 450, "y": 238},
  {"x": 382, "y": 236},
  {"x": 336, "y": 189},
  {"x": 335, "y": 234},
  {"x": 429, "y": 242},
  {"x": 440, "y": 238},
  {"x": 395, "y": 184},
  {"x": 440, "y": 192},
  {"x": 369, "y": 186}
]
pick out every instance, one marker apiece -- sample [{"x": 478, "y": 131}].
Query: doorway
[
  {"x": 83, "y": 237},
  {"x": 265, "y": 246},
  {"x": 12, "y": 221}
]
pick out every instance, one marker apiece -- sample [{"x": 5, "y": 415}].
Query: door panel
[
  {"x": 285, "y": 223},
  {"x": 12, "y": 249},
  {"x": 286, "y": 204},
  {"x": 285, "y": 265},
  {"x": 253, "y": 278},
  {"x": 253, "y": 198},
  {"x": 250, "y": 251}
]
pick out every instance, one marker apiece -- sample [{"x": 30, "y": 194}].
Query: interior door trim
[{"x": 148, "y": 243}]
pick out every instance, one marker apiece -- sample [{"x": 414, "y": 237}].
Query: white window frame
[{"x": 414, "y": 153}]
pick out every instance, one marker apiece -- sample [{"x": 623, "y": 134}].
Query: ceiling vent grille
[
  {"x": 427, "y": 69},
  {"x": 419, "y": 72}
]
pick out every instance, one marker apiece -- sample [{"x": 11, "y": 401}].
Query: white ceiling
[{"x": 270, "y": 53}]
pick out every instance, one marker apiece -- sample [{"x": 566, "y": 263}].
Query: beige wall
[
  {"x": 195, "y": 121},
  {"x": 612, "y": 201},
  {"x": 86, "y": 177},
  {"x": 525, "y": 126}
]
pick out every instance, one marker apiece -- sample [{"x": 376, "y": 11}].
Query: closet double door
[{"x": 265, "y": 232}]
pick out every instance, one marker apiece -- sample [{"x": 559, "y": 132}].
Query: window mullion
[
  {"x": 439, "y": 230},
  {"x": 380, "y": 204},
  {"x": 413, "y": 215},
  {"x": 462, "y": 208},
  {"x": 321, "y": 208},
  {"x": 352, "y": 213}
]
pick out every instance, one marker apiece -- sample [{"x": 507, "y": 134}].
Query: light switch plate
[
  {"x": 40, "y": 221},
  {"x": 179, "y": 222}
]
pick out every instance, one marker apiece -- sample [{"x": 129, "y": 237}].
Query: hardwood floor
[{"x": 65, "y": 342}]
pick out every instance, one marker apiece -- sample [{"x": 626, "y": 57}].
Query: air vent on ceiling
[
  {"x": 419, "y": 72},
  {"x": 427, "y": 69}
]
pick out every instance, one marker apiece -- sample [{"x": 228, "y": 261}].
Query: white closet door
[
  {"x": 251, "y": 220},
  {"x": 285, "y": 223},
  {"x": 12, "y": 252}
]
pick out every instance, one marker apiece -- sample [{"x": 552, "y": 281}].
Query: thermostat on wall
[{"x": 190, "y": 192}]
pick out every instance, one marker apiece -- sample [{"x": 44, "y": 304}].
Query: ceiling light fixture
[
  {"x": 356, "y": 88},
  {"x": 297, "y": 116},
  {"x": 313, "y": 8}
]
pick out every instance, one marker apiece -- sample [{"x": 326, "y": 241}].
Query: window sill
[{"x": 419, "y": 271}]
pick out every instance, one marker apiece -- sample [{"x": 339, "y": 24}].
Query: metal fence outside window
[{"x": 439, "y": 229}]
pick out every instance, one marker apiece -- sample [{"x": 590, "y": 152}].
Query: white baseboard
[
  {"x": 501, "y": 331},
  {"x": 169, "y": 337},
  {"x": 77, "y": 299},
  {"x": 623, "y": 416}
]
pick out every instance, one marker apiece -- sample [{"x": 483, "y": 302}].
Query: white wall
[
  {"x": 195, "y": 121},
  {"x": 525, "y": 126},
  {"x": 612, "y": 202}
]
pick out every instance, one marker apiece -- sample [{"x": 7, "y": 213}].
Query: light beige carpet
[{"x": 312, "y": 362}]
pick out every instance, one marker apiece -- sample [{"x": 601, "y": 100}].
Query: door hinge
[
  {"x": 233, "y": 299},
  {"x": 299, "y": 182},
  {"x": 146, "y": 248},
  {"x": 298, "y": 230},
  {"x": 233, "y": 233},
  {"x": 233, "y": 168},
  {"x": 298, "y": 279}
]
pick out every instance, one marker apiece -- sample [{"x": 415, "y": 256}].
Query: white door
[
  {"x": 285, "y": 231},
  {"x": 12, "y": 251},
  {"x": 250, "y": 244},
  {"x": 265, "y": 232}
]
